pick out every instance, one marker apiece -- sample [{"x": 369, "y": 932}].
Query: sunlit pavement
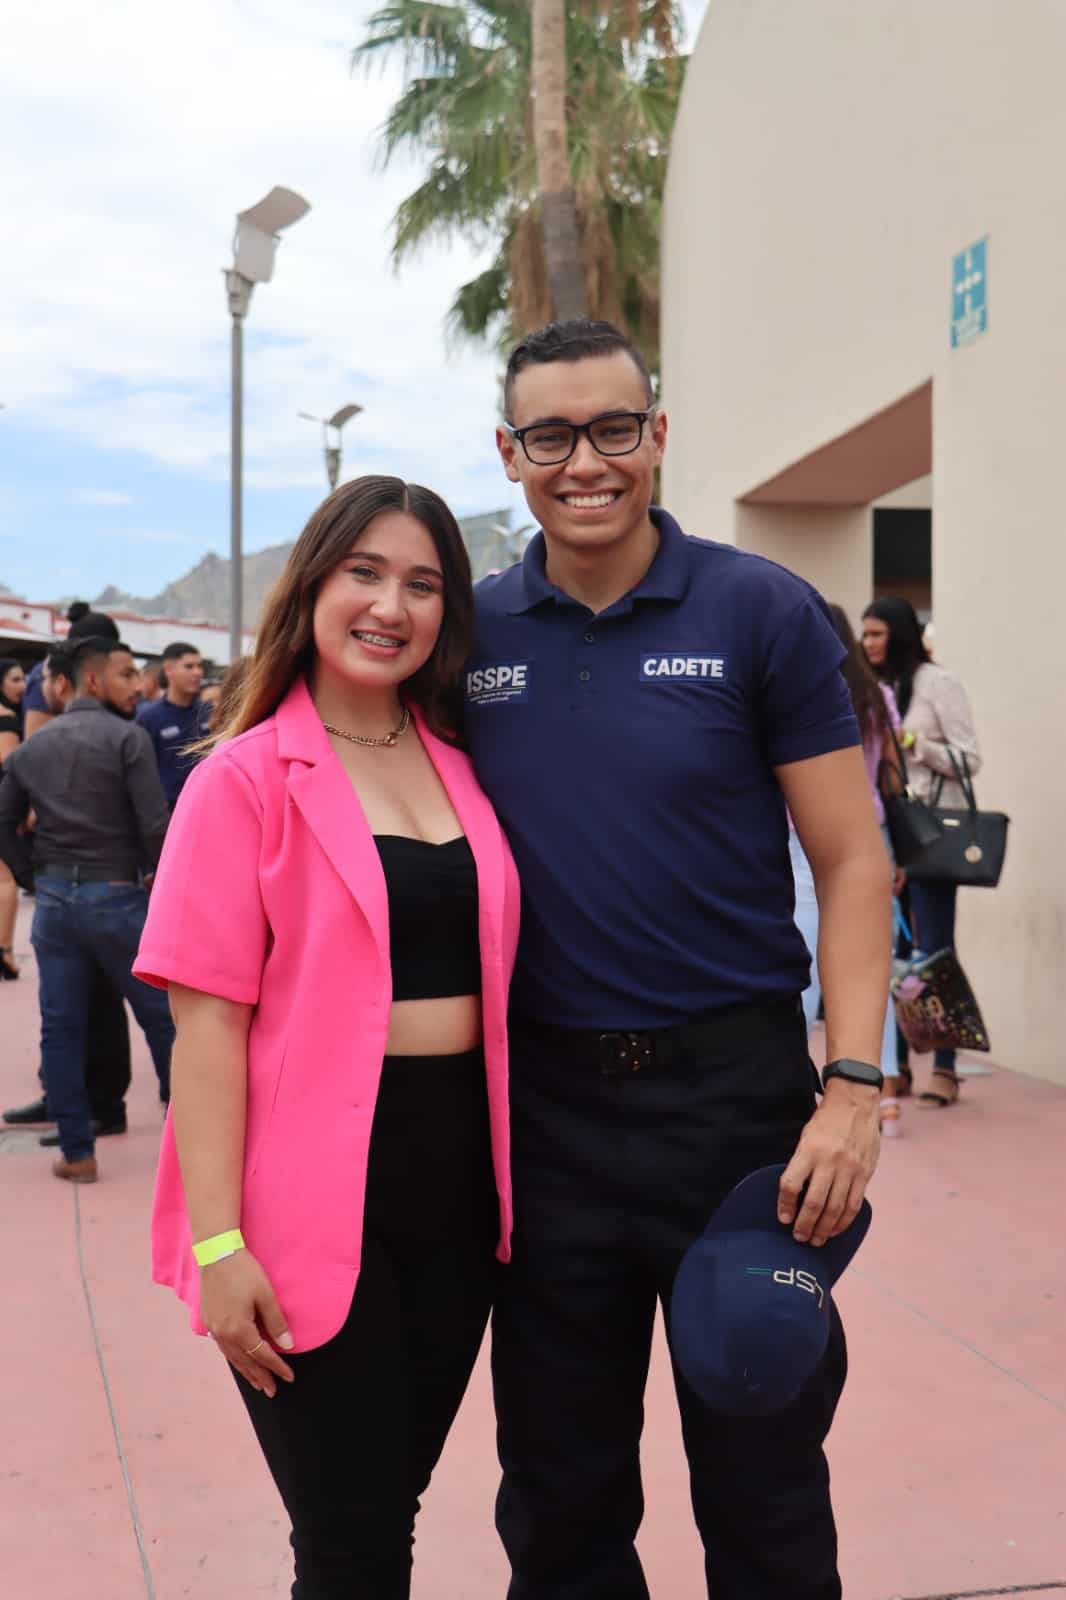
[{"x": 128, "y": 1470}]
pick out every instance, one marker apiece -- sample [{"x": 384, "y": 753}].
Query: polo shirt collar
[
  {"x": 85, "y": 702},
  {"x": 666, "y": 578}
]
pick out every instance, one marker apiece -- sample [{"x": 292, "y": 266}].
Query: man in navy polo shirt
[
  {"x": 175, "y": 720},
  {"x": 641, "y": 706}
]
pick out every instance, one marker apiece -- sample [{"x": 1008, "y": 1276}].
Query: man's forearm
[{"x": 855, "y": 954}]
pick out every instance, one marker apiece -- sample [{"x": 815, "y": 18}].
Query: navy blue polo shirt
[
  {"x": 171, "y": 729},
  {"x": 629, "y": 755}
]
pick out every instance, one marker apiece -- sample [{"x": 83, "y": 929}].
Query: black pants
[
  {"x": 613, "y": 1180},
  {"x": 353, "y": 1441}
]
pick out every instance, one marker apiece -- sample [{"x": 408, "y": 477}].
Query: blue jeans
[
  {"x": 933, "y": 912},
  {"x": 806, "y": 919},
  {"x": 74, "y": 927}
]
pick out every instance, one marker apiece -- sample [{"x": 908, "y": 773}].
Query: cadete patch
[{"x": 693, "y": 668}]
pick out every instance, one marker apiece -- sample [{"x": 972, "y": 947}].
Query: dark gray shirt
[{"x": 92, "y": 779}]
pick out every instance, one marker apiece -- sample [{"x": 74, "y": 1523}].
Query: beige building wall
[{"x": 829, "y": 161}]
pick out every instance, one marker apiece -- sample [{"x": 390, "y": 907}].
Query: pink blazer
[{"x": 270, "y": 892}]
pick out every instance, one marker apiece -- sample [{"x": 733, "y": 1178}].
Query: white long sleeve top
[{"x": 940, "y": 718}]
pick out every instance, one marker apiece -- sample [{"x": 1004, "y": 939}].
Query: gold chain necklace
[{"x": 361, "y": 738}]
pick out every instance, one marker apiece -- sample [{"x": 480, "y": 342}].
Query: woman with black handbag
[
  {"x": 875, "y": 711},
  {"x": 938, "y": 739}
]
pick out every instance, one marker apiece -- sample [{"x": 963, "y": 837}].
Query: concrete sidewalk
[{"x": 128, "y": 1469}]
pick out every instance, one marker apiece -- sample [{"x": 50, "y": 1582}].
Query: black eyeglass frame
[{"x": 579, "y": 428}]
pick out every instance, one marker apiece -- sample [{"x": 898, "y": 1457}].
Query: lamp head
[
  {"x": 345, "y": 414},
  {"x": 256, "y": 239}
]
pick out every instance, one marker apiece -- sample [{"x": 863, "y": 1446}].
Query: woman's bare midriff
[{"x": 444, "y": 1027}]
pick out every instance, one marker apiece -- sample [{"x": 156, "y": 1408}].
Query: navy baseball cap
[{"x": 750, "y": 1309}]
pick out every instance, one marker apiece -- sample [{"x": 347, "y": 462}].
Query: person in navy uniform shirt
[
  {"x": 176, "y": 719},
  {"x": 642, "y": 706}
]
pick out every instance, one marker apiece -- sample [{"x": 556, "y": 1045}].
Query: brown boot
[{"x": 83, "y": 1171}]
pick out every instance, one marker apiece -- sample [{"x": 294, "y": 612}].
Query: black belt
[
  {"x": 74, "y": 872},
  {"x": 621, "y": 1051}
]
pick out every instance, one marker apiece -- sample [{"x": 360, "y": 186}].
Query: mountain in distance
[{"x": 202, "y": 595}]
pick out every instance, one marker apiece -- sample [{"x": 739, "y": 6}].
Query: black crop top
[{"x": 433, "y": 908}]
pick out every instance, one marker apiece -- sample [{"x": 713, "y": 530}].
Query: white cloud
[
  {"x": 131, "y": 132},
  {"x": 129, "y": 137},
  {"x": 99, "y": 497},
  {"x": 148, "y": 535}
]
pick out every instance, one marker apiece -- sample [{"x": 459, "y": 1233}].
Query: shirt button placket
[{"x": 584, "y": 670}]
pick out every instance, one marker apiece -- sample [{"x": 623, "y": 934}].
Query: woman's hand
[{"x": 238, "y": 1307}]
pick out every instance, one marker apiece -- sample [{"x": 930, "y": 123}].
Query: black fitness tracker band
[{"x": 855, "y": 1072}]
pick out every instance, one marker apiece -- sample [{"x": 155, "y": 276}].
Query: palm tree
[
  {"x": 466, "y": 110},
  {"x": 561, "y": 235}
]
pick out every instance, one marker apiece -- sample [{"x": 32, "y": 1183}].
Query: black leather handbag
[
  {"x": 972, "y": 844},
  {"x": 911, "y": 825}
]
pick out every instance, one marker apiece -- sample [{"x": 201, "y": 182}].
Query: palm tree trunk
[{"x": 558, "y": 205}]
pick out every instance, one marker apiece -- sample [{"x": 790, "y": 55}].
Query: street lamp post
[
  {"x": 332, "y": 449},
  {"x": 254, "y": 247}
]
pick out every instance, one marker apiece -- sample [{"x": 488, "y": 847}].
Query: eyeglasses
[{"x": 547, "y": 444}]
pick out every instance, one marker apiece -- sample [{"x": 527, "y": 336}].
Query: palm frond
[
  {"x": 430, "y": 39},
  {"x": 433, "y": 116},
  {"x": 480, "y": 305},
  {"x": 442, "y": 208},
  {"x": 664, "y": 21},
  {"x": 465, "y": 112}
]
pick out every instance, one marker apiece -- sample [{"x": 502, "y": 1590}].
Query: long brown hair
[
  {"x": 285, "y": 642},
  {"x": 863, "y": 685},
  {"x": 906, "y": 650}
]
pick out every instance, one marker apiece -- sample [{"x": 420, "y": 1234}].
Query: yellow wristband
[{"x": 218, "y": 1247}]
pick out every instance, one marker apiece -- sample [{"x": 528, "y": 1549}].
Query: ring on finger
[{"x": 255, "y": 1347}]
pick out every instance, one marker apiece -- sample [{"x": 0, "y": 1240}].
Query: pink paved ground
[{"x": 127, "y": 1468}]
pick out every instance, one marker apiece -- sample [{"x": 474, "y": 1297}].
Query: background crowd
[
  {"x": 908, "y": 705},
  {"x": 85, "y": 810},
  {"x": 912, "y": 713}
]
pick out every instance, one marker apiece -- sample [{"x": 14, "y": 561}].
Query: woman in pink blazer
[{"x": 335, "y": 916}]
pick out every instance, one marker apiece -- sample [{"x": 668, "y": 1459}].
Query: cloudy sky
[{"x": 130, "y": 133}]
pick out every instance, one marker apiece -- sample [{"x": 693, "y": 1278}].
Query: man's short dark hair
[
  {"x": 77, "y": 609},
  {"x": 175, "y": 651},
  {"x": 93, "y": 625},
  {"x": 89, "y": 652},
  {"x": 571, "y": 341},
  {"x": 59, "y": 663}
]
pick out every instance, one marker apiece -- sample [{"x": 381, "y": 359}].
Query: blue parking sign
[{"x": 969, "y": 294}]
